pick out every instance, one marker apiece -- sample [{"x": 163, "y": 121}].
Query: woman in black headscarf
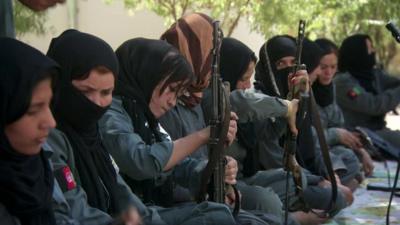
[
  {"x": 77, "y": 114},
  {"x": 364, "y": 92},
  {"x": 153, "y": 75},
  {"x": 26, "y": 179},
  {"x": 359, "y": 60},
  {"x": 88, "y": 70},
  {"x": 276, "y": 58},
  {"x": 237, "y": 63},
  {"x": 339, "y": 139},
  {"x": 237, "y": 67}
]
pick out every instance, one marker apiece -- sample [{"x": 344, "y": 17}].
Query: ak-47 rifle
[
  {"x": 307, "y": 104},
  {"x": 289, "y": 157},
  {"x": 219, "y": 125}
]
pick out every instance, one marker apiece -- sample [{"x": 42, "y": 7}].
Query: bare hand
[
  {"x": 131, "y": 217},
  {"x": 367, "y": 163},
  {"x": 348, "y": 139},
  {"x": 231, "y": 169},
  {"x": 230, "y": 197},
  {"x": 299, "y": 81},
  {"x": 348, "y": 194},
  {"x": 232, "y": 128},
  {"x": 291, "y": 114}
]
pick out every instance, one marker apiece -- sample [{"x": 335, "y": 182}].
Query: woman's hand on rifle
[
  {"x": 300, "y": 81},
  {"x": 293, "y": 106},
  {"x": 367, "y": 163},
  {"x": 129, "y": 217},
  {"x": 348, "y": 139},
  {"x": 231, "y": 170},
  {"x": 230, "y": 137},
  {"x": 230, "y": 197}
]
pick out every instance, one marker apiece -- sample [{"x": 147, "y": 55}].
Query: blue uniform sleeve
[
  {"x": 133, "y": 156},
  {"x": 70, "y": 205}
]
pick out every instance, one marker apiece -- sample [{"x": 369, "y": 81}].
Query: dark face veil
[
  {"x": 266, "y": 70},
  {"x": 355, "y": 59},
  {"x": 78, "y": 53}
]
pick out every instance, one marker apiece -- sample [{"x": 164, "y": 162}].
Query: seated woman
[
  {"x": 279, "y": 53},
  {"x": 340, "y": 139},
  {"x": 26, "y": 180},
  {"x": 96, "y": 193},
  {"x": 153, "y": 75},
  {"x": 364, "y": 93},
  {"x": 192, "y": 35},
  {"x": 237, "y": 67},
  {"x": 131, "y": 128}
]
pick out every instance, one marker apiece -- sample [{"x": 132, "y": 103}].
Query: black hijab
[
  {"x": 144, "y": 64},
  {"x": 78, "y": 53},
  {"x": 324, "y": 94},
  {"x": 277, "y": 48},
  {"x": 311, "y": 56},
  {"x": 234, "y": 60},
  {"x": 354, "y": 58},
  {"x": 26, "y": 182}
]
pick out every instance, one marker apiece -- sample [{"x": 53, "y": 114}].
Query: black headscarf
[
  {"x": 144, "y": 64},
  {"x": 78, "y": 53},
  {"x": 26, "y": 182},
  {"x": 311, "y": 54},
  {"x": 234, "y": 60},
  {"x": 277, "y": 48},
  {"x": 327, "y": 46},
  {"x": 354, "y": 58},
  {"x": 143, "y": 67},
  {"x": 324, "y": 94}
]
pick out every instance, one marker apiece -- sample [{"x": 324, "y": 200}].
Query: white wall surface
[{"x": 115, "y": 24}]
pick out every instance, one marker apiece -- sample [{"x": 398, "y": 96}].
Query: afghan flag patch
[
  {"x": 354, "y": 92},
  {"x": 65, "y": 178}
]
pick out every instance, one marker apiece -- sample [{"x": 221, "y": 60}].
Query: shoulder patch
[
  {"x": 354, "y": 92},
  {"x": 65, "y": 178}
]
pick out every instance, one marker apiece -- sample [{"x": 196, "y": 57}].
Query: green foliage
[
  {"x": 28, "y": 21},
  {"x": 228, "y": 12},
  {"x": 333, "y": 19}
]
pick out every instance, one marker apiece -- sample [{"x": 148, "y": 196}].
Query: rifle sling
[{"x": 316, "y": 120}]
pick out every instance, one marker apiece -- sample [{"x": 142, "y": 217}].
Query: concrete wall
[{"x": 115, "y": 24}]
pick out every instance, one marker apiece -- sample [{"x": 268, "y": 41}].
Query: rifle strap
[{"x": 316, "y": 120}]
